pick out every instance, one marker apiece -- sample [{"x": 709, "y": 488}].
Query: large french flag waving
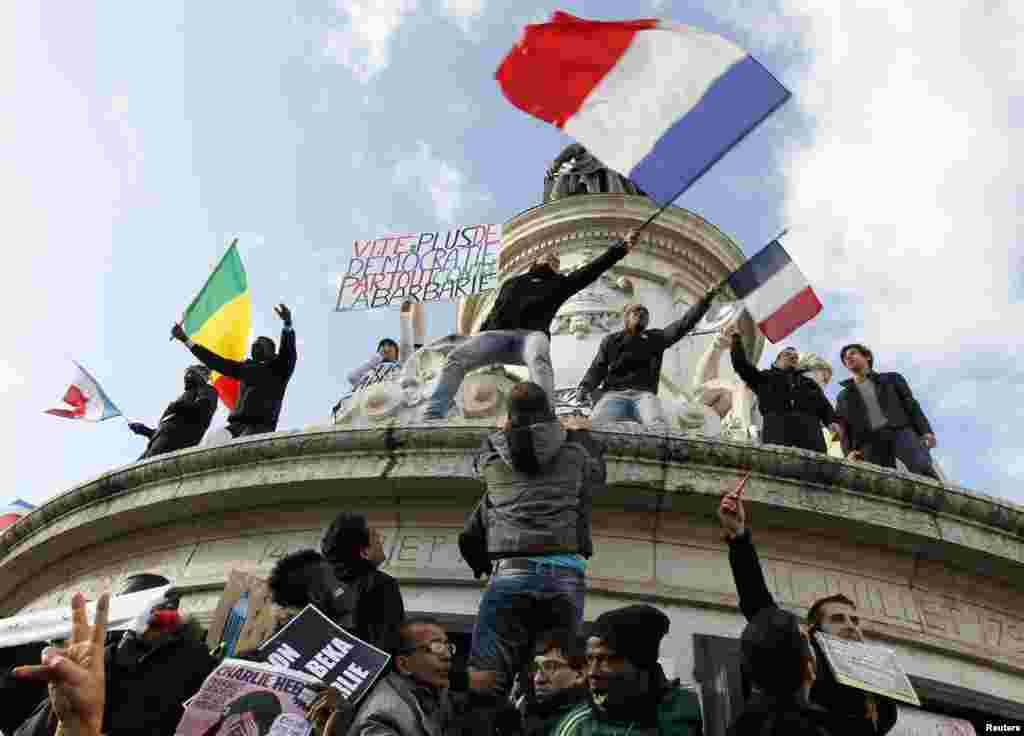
[
  {"x": 655, "y": 101},
  {"x": 775, "y": 292},
  {"x": 85, "y": 399}
]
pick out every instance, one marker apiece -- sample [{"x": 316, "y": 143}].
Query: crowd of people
[{"x": 533, "y": 667}]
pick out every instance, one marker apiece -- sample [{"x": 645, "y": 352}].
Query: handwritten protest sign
[
  {"x": 868, "y": 667},
  {"x": 244, "y": 617},
  {"x": 130, "y": 611},
  {"x": 424, "y": 267},
  {"x": 314, "y": 644},
  {"x": 239, "y": 693}
]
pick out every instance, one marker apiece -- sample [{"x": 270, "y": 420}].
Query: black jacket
[
  {"x": 529, "y": 301},
  {"x": 897, "y": 402},
  {"x": 261, "y": 392},
  {"x": 627, "y": 361},
  {"x": 541, "y": 716},
  {"x": 792, "y": 403},
  {"x": 184, "y": 421},
  {"x": 146, "y": 685},
  {"x": 826, "y": 692},
  {"x": 765, "y": 715},
  {"x": 380, "y": 610}
]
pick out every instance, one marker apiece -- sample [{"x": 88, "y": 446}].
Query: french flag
[
  {"x": 775, "y": 292},
  {"x": 85, "y": 399},
  {"x": 13, "y": 511},
  {"x": 655, "y": 101}
]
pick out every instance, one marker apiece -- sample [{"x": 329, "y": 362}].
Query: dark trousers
[
  {"x": 246, "y": 430},
  {"x": 883, "y": 446}
]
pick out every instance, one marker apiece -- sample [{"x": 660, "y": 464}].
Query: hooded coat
[
  {"x": 540, "y": 480},
  {"x": 792, "y": 403},
  {"x": 672, "y": 711},
  {"x": 541, "y": 716},
  {"x": 184, "y": 421},
  {"x": 145, "y": 686},
  {"x": 765, "y": 715},
  {"x": 380, "y": 610}
]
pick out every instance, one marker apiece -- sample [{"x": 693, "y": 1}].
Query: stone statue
[
  {"x": 576, "y": 171},
  {"x": 731, "y": 400}
]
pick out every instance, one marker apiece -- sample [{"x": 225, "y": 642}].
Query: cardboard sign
[
  {"x": 914, "y": 722},
  {"x": 867, "y": 667},
  {"x": 423, "y": 267},
  {"x": 314, "y": 644},
  {"x": 272, "y": 700},
  {"x": 244, "y": 617},
  {"x": 126, "y": 612}
]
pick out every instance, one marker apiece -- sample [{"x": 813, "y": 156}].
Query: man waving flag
[{"x": 657, "y": 102}]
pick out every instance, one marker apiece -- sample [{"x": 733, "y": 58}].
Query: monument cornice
[{"x": 433, "y": 466}]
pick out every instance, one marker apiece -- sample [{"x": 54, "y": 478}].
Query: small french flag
[
  {"x": 13, "y": 511},
  {"x": 656, "y": 101},
  {"x": 775, "y": 292},
  {"x": 85, "y": 399}
]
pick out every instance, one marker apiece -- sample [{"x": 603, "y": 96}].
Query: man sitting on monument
[
  {"x": 186, "y": 419},
  {"x": 263, "y": 379},
  {"x": 629, "y": 693},
  {"x": 882, "y": 419},
  {"x": 628, "y": 365},
  {"x": 518, "y": 329},
  {"x": 835, "y": 615},
  {"x": 792, "y": 403},
  {"x": 534, "y": 521},
  {"x": 411, "y": 333}
]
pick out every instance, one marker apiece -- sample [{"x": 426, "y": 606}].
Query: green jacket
[{"x": 678, "y": 715}]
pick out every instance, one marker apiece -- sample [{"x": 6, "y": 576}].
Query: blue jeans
[
  {"x": 883, "y": 446},
  {"x": 516, "y": 608},
  {"x": 642, "y": 407},
  {"x": 506, "y": 347}
]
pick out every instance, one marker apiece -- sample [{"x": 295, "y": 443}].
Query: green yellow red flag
[{"x": 220, "y": 319}]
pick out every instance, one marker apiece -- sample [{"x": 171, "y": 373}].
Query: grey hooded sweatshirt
[{"x": 540, "y": 482}]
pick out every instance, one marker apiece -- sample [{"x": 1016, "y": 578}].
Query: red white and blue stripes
[
  {"x": 85, "y": 399},
  {"x": 13, "y": 511},
  {"x": 655, "y": 101},
  {"x": 775, "y": 292}
]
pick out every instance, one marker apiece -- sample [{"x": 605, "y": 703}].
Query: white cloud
[
  {"x": 463, "y": 12},
  {"x": 363, "y": 43},
  {"x": 441, "y": 180}
]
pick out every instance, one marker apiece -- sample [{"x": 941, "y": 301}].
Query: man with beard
[
  {"x": 628, "y": 364},
  {"x": 629, "y": 693},
  {"x": 835, "y": 615},
  {"x": 792, "y": 403},
  {"x": 518, "y": 329},
  {"x": 148, "y": 675},
  {"x": 186, "y": 419},
  {"x": 559, "y": 681},
  {"x": 413, "y": 699},
  {"x": 263, "y": 378}
]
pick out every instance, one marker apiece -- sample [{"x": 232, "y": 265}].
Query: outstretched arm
[
  {"x": 741, "y": 364},
  {"x": 583, "y": 277},
  {"x": 230, "y": 368},
  {"x": 746, "y": 567},
  {"x": 286, "y": 356},
  {"x": 675, "y": 331}
]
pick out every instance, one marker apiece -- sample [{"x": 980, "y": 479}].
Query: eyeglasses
[
  {"x": 436, "y": 647},
  {"x": 550, "y": 667}
]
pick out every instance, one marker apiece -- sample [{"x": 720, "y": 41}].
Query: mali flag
[{"x": 220, "y": 319}]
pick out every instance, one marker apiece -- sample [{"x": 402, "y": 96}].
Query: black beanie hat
[
  {"x": 143, "y": 581},
  {"x": 634, "y": 632},
  {"x": 772, "y": 649}
]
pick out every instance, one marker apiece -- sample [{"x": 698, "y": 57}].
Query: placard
[
  {"x": 423, "y": 267},
  {"x": 245, "y": 615},
  {"x": 238, "y": 695},
  {"x": 868, "y": 667},
  {"x": 314, "y": 644}
]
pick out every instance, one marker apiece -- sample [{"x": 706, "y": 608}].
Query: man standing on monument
[
  {"x": 792, "y": 403},
  {"x": 835, "y": 615},
  {"x": 518, "y": 329},
  {"x": 628, "y": 364},
  {"x": 186, "y": 419},
  {"x": 263, "y": 379},
  {"x": 883, "y": 420}
]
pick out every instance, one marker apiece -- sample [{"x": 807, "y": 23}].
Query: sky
[{"x": 137, "y": 140}]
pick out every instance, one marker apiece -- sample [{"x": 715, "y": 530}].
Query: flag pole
[{"x": 212, "y": 269}]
